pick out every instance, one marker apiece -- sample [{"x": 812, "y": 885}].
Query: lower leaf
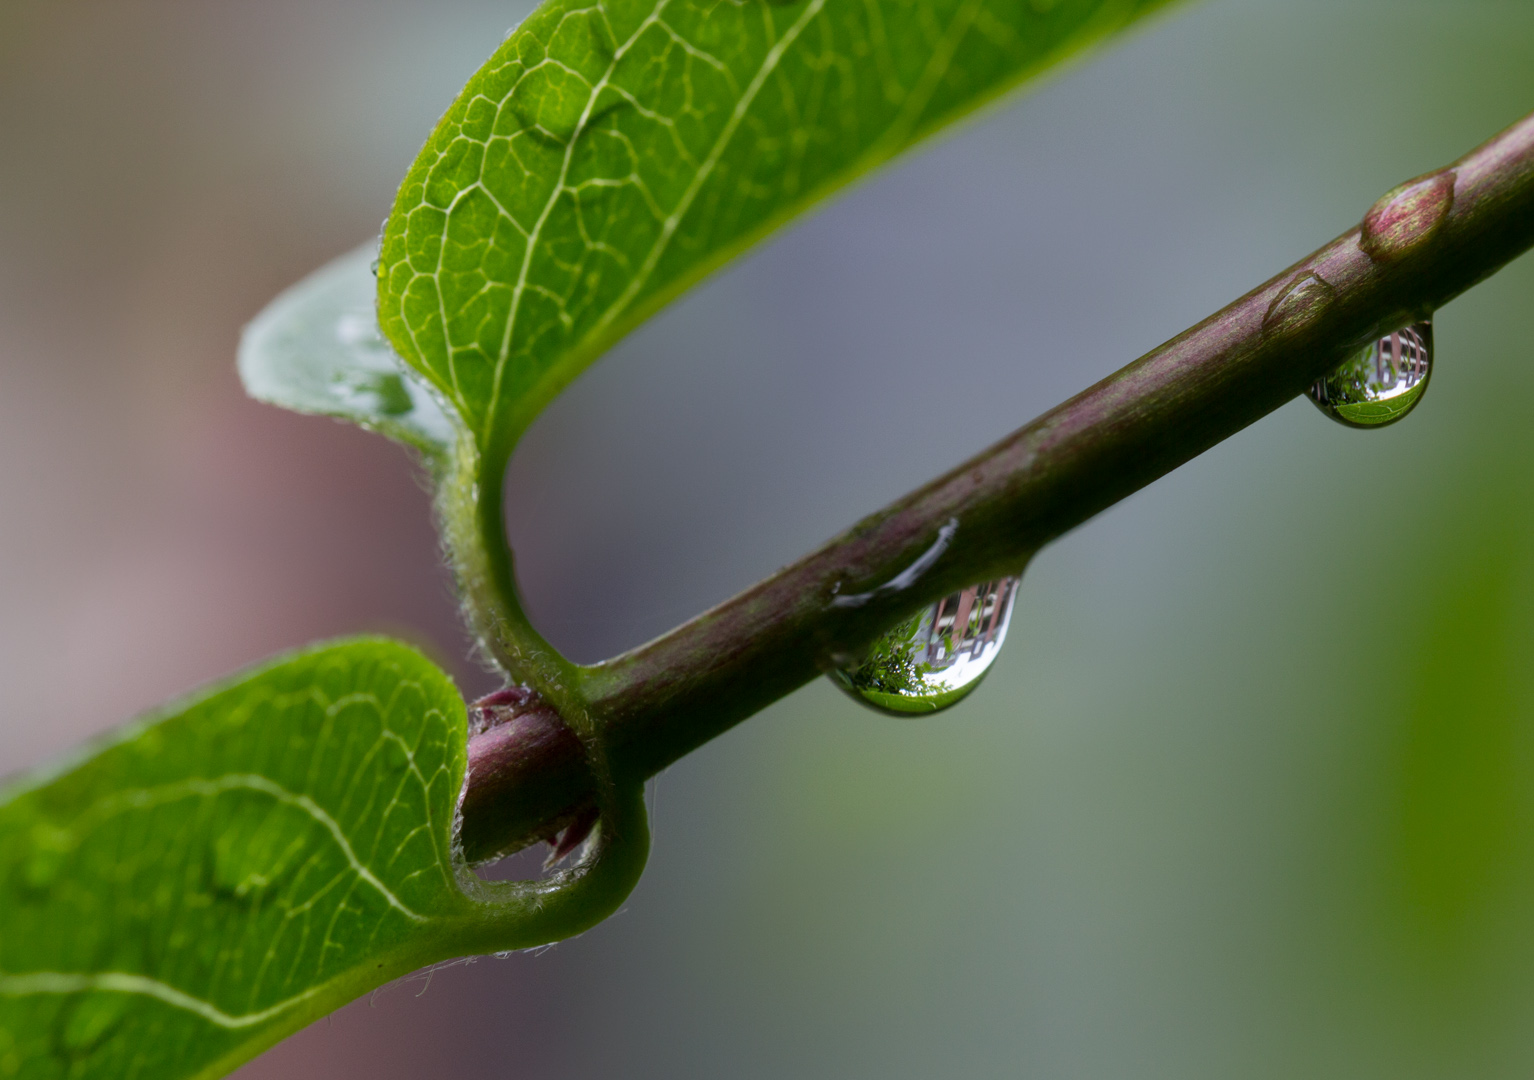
[{"x": 205, "y": 882}]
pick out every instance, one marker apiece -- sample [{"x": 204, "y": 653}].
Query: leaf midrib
[{"x": 673, "y": 220}]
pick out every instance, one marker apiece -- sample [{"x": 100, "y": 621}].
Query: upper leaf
[
  {"x": 611, "y": 152},
  {"x": 207, "y": 882}
]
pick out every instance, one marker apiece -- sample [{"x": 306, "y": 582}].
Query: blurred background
[{"x": 1251, "y": 791}]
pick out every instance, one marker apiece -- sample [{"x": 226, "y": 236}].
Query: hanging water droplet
[
  {"x": 937, "y": 656},
  {"x": 1381, "y": 382}
]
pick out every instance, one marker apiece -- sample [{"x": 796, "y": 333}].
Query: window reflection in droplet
[{"x": 938, "y": 656}]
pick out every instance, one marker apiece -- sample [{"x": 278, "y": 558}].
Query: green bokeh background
[{"x": 1250, "y": 793}]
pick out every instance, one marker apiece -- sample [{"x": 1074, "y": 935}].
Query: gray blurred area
[{"x": 1251, "y": 792}]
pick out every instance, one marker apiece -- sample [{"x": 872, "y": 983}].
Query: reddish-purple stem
[{"x": 1419, "y": 247}]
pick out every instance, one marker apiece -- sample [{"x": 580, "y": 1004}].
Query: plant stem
[
  {"x": 470, "y": 508},
  {"x": 1420, "y": 246}
]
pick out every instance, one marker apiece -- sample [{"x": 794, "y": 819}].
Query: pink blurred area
[{"x": 165, "y": 169}]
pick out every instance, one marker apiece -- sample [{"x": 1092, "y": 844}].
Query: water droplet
[
  {"x": 1380, "y": 383},
  {"x": 936, "y": 657}
]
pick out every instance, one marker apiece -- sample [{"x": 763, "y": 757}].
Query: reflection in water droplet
[
  {"x": 1382, "y": 382},
  {"x": 937, "y": 656}
]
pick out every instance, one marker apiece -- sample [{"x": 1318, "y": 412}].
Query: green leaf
[
  {"x": 601, "y": 161},
  {"x": 609, "y": 155},
  {"x": 206, "y": 882},
  {"x": 317, "y": 349}
]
